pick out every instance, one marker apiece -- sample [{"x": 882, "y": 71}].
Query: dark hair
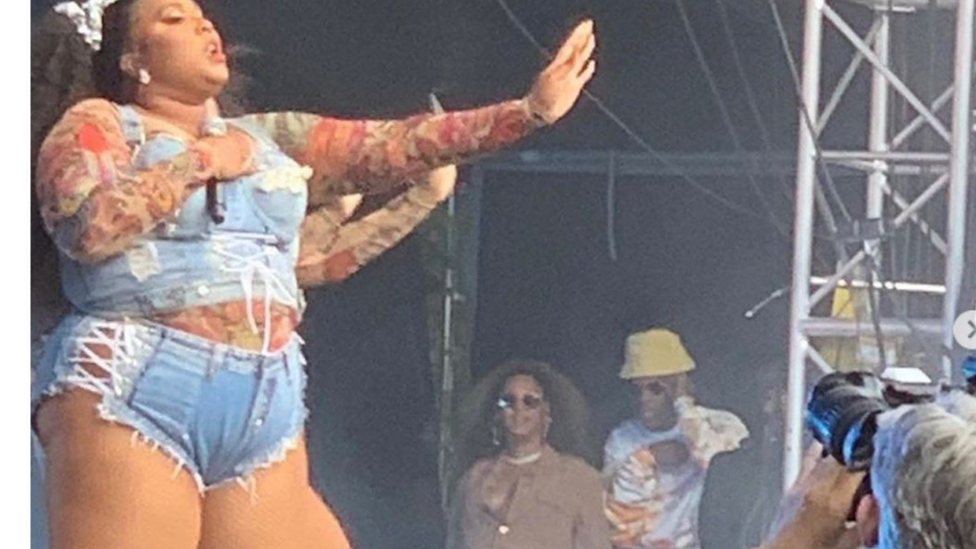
[
  {"x": 110, "y": 81},
  {"x": 567, "y": 434},
  {"x": 61, "y": 75},
  {"x": 64, "y": 72}
]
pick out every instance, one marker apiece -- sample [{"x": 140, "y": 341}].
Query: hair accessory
[{"x": 87, "y": 18}]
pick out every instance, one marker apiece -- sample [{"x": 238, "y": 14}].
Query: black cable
[
  {"x": 725, "y": 115},
  {"x": 675, "y": 169}
]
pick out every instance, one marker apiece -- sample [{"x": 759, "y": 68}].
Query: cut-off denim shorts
[{"x": 220, "y": 411}]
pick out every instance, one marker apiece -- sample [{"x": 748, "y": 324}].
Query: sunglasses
[
  {"x": 530, "y": 402},
  {"x": 653, "y": 387}
]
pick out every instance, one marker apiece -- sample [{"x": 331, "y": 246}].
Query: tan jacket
[{"x": 556, "y": 504}]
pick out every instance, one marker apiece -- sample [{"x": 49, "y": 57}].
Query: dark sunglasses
[
  {"x": 507, "y": 401},
  {"x": 653, "y": 387}
]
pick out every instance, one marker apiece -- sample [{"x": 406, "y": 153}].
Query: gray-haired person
[{"x": 923, "y": 478}]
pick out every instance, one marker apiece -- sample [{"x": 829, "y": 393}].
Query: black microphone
[
  {"x": 214, "y": 126},
  {"x": 215, "y": 206}
]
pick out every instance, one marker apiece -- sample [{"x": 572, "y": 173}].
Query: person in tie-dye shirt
[{"x": 655, "y": 464}]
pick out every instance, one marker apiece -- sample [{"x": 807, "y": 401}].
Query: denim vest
[{"x": 193, "y": 261}]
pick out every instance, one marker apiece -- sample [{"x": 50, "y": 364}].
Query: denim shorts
[{"x": 220, "y": 411}]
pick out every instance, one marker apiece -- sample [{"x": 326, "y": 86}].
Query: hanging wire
[
  {"x": 612, "y": 206},
  {"x": 675, "y": 169},
  {"x": 749, "y": 92},
  {"x": 725, "y": 116},
  {"x": 805, "y": 115}
]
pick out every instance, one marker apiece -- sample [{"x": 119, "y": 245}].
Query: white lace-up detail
[
  {"x": 119, "y": 339},
  {"x": 247, "y": 256}
]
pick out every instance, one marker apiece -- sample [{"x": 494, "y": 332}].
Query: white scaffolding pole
[
  {"x": 803, "y": 239},
  {"x": 958, "y": 173},
  {"x": 882, "y": 158}
]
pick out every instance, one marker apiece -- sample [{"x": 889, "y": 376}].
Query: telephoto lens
[{"x": 842, "y": 413}]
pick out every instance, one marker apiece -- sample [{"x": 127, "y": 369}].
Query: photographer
[{"x": 923, "y": 481}]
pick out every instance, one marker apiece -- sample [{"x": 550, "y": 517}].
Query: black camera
[
  {"x": 844, "y": 406},
  {"x": 843, "y": 412}
]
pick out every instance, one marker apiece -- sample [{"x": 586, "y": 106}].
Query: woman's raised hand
[{"x": 559, "y": 85}]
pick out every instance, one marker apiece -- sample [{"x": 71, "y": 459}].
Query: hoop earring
[
  {"x": 144, "y": 77},
  {"x": 496, "y": 439}
]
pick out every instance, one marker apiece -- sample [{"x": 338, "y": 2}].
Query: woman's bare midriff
[{"x": 228, "y": 323}]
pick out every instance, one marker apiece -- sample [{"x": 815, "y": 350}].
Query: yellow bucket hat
[{"x": 655, "y": 352}]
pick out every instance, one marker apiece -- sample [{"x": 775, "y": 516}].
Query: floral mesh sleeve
[
  {"x": 92, "y": 200},
  {"x": 331, "y": 250},
  {"x": 374, "y": 156}
]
